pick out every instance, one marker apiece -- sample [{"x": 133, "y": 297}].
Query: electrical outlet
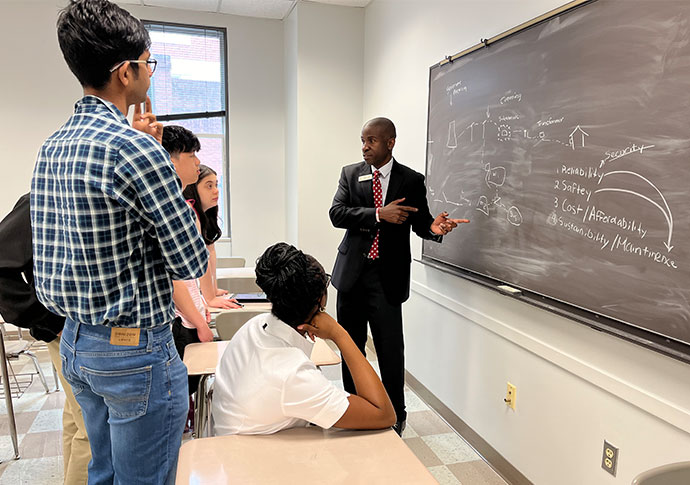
[
  {"x": 510, "y": 395},
  {"x": 609, "y": 458}
]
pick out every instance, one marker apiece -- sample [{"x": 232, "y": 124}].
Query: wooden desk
[
  {"x": 302, "y": 455},
  {"x": 203, "y": 358},
  {"x": 248, "y": 307},
  {"x": 237, "y": 280},
  {"x": 322, "y": 354}
]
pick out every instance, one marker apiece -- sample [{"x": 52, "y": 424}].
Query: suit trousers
[{"x": 367, "y": 303}]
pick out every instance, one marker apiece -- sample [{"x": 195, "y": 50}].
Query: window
[{"x": 189, "y": 89}]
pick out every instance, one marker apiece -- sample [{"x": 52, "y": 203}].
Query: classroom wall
[
  {"x": 37, "y": 92},
  {"x": 575, "y": 386},
  {"x": 324, "y": 117}
]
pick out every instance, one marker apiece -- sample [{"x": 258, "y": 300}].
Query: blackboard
[{"x": 567, "y": 145}]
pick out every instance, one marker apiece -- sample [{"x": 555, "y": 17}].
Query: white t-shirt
[{"x": 266, "y": 382}]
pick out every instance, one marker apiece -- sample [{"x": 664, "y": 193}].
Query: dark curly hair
[
  {"x": 210, "y": 230},
  {"x": 294, "y": 282},
  {"x": 178, "y": 139},
  {"x": 96, "y": 35}
]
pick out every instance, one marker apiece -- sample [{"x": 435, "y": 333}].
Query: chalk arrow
[{"x": 667, "y": 213}]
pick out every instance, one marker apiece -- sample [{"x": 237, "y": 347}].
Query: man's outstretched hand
[{"x": 442, "y": 225}]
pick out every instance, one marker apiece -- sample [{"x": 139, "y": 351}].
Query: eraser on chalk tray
[{"x": 509, "y": 290}]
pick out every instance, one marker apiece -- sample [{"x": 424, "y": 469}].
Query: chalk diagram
[
  {"x": 494, "y": 177},
  {"x": 495, "y": 174}
]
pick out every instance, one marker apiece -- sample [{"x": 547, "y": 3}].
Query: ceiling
[{"x": 270, "y": 9}]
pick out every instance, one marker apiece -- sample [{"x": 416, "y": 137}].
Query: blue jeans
[{"x": 134, "y": 401}]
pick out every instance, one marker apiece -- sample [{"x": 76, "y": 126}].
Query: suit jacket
[
  {"x": 18, "y": 302},
  {"x": 353, "y": 209}
]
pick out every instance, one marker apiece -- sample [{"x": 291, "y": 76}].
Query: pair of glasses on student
[{"x": 150, "y": 64}]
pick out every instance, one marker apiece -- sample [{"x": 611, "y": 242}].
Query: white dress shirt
[
  {"x": 385, "y": 171},
  {"x": 266, "y": 382}
]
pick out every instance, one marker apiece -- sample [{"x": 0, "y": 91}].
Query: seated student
[
  {"x": 204, "y": 193},
  {"x": 266, "y": 382}
]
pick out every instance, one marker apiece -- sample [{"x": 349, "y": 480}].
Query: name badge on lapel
[{"x": 364, "y": 178}]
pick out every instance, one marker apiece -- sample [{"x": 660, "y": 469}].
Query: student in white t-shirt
[{"x": 266, "y": 381}]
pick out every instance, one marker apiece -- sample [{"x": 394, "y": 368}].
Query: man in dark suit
[{"x": 378, "y": 201}]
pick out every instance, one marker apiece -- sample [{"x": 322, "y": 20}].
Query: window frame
[{"x": 227, "y": 232}]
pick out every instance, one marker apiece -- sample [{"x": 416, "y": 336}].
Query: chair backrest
[
  {"x": 671, "y": 474},
  {"x": 227, "y": 324},
  {"x": 234, "y": 262}
]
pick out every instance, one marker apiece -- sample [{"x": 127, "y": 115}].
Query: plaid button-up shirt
[{"x": 110, "y": 225}]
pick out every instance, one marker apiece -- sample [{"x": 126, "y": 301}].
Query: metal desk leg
[
  {"x": 8, "y": 397},
  {"x": 55, "y": 378},
  {"x": 200, "y": 407}
]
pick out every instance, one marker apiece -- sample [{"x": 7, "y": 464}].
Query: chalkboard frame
[{"x": 640, "y": 336}]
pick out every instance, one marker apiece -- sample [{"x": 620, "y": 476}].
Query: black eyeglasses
[
  {"x": 150, "y": 64},
  {"x": 328, "y": 280}
]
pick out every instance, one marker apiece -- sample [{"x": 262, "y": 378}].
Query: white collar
[
  {"x": 385, "y": 170},
  {"x": 279, "y": 329}
]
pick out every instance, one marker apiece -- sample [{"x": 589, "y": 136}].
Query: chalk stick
[{"x": 509, "y": 290}]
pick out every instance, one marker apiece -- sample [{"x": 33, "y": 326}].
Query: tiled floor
[
  {"x": 39, "y": 422},
  {"x": 39, "y": 428}
]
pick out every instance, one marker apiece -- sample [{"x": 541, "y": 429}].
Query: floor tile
[
  {"x": 450, "y": 448},
  {"x": 22, "y": 420},
  {"x": 30, "y": 401},
  {"x": 476, "y": 471},
  {"x": 444, "y": 476},
  {"x": 413, "y": 402},
  {"x": 54, "y": 400},
  {"x": 423, "y": 452},
  {"x": 37, "y": 445},
  {"x": 6, "y": 448},
  {"x": 49, "y": 420},
  {"x": 427, "y": 423},
  {"x": 409, "y": 432},
  {"x": 33, "y": 471}
]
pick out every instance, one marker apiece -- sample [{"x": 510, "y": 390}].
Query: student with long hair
[{"x": 204, "y": 194}]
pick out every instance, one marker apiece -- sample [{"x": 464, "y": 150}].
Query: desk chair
[
  {"x": 8, "y": 397},
  {"x": 201, "y": 360},
  {"x": 234, "y": 262},
  {"x": 671, "y": 474},
  {"x": 227, "y": 324},
  {"x": 15, "y": 348}
]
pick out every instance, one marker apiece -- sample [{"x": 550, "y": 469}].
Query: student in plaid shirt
[{"x": 111, "y": 230}]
